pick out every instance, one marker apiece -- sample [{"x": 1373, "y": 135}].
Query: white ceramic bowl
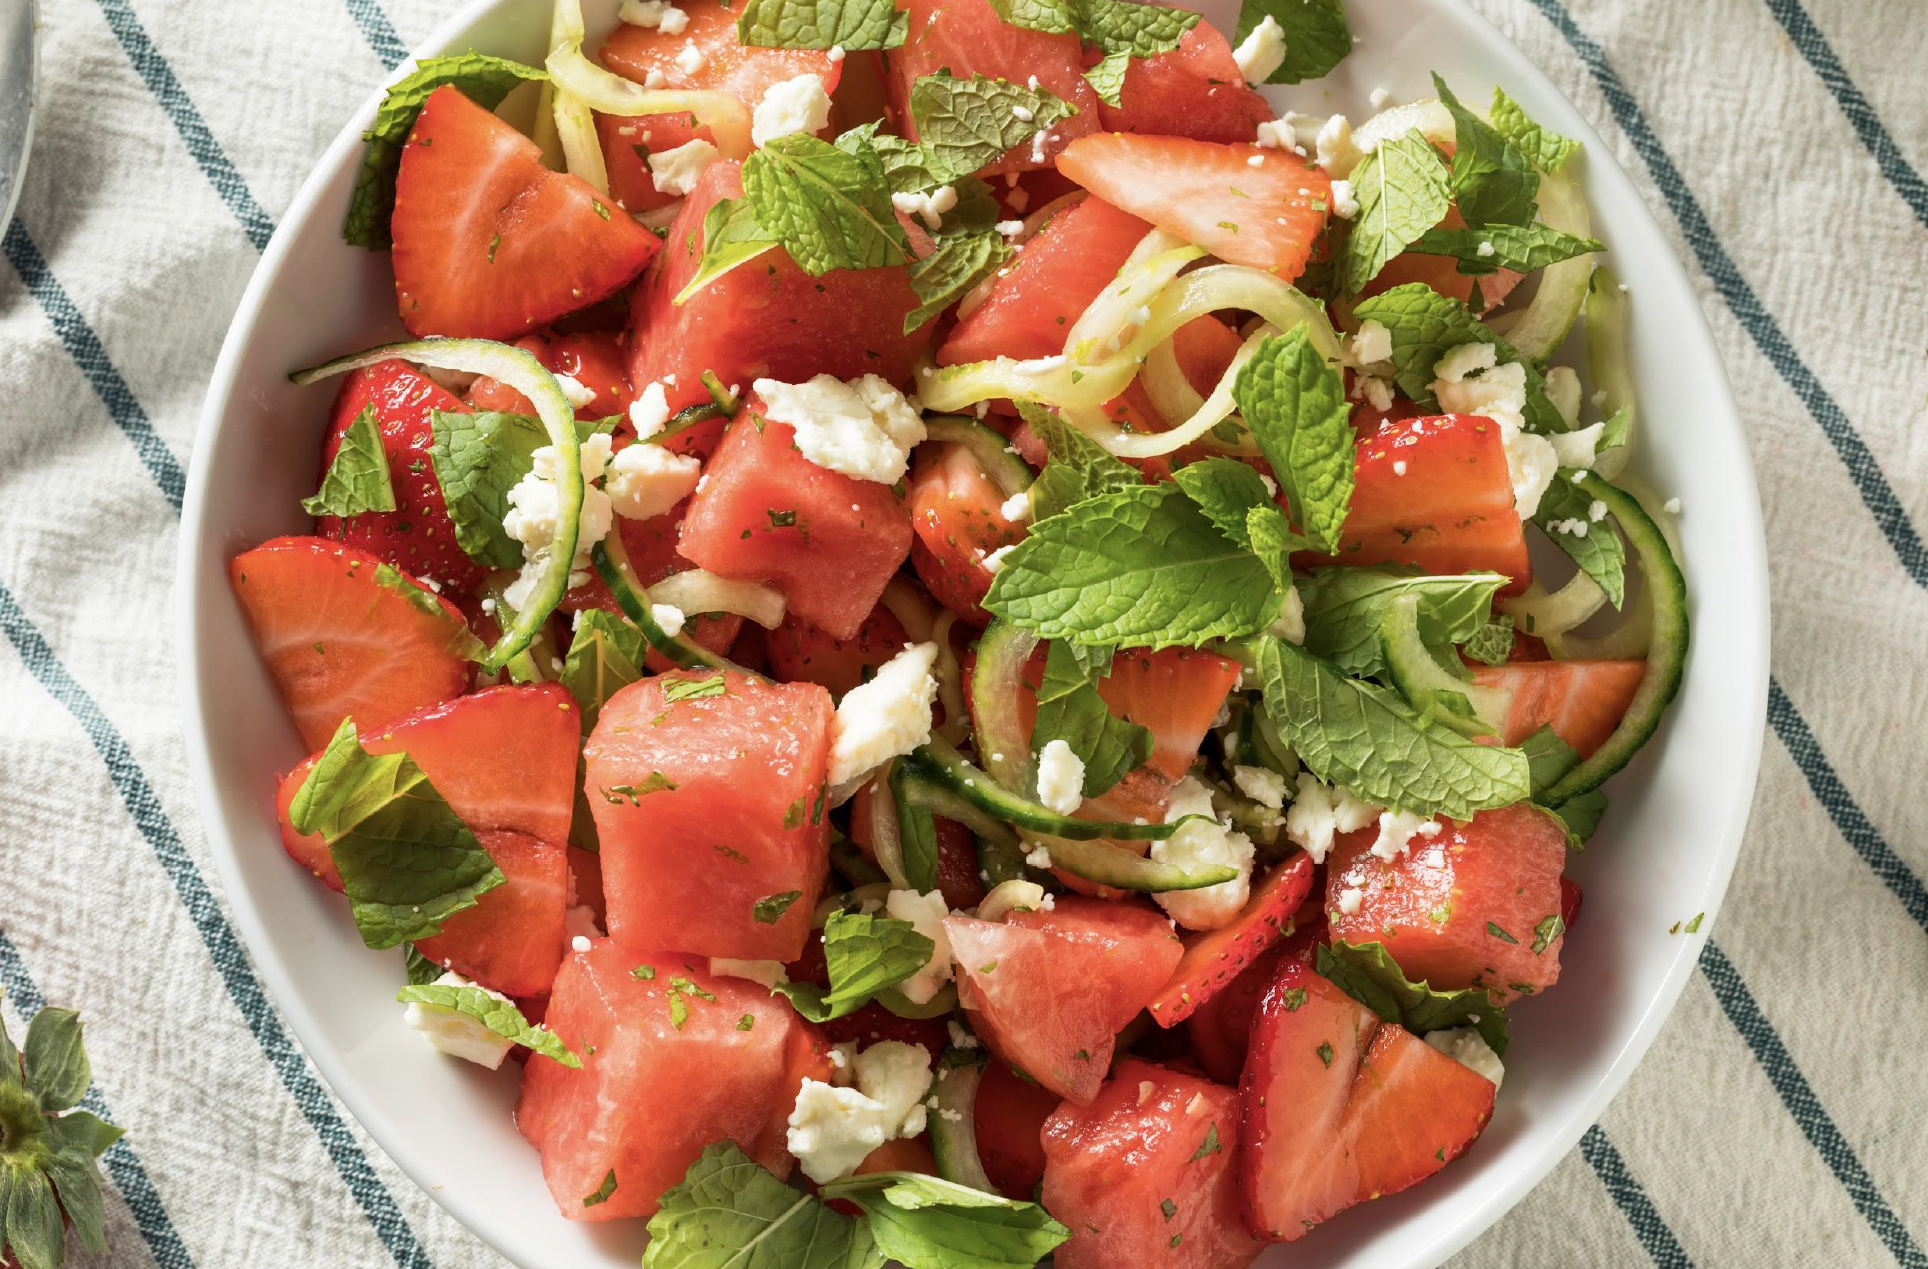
[{"x": 1664, "y": 853}]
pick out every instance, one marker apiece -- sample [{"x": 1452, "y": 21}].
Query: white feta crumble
[
  {"x": 457, "y": 1034},
  {"x": 1022, "y": 114},
  {"x": 995, "y": 560},
  {"x": 1321, "y": 812},
  {"x": 669, "y": 617},
  {"x": 1344, "y": 204},
  {"x": 1435, "y": 858},
  {"x": 1596, "y": 511},
  {"x": 1577, "y": 449},
  {"x": 1261, "y": 52},
  {"x": 926, "y": 913},
  {"x": 652, "y": 14},
  {"x": 649, "y": 411},
  {"x": 646, "y": 480},
  {"x": 1484, "y": 250},
  {"x": 534, "y": 508},
  {"x": 864, "y": 428},
  {"x": 929, "y": 207},
  {"x": 1289, "y": 625},
  {"x": 1199, "y": 845},
  {"x": 1038, "y": 857},
  {"x": 798, "y": 104},
  {"x": 832, "y": 1129},
  {"x": 690, "y": 59},
  {"x": 1572, "y": 528},
  {"x": 1376, "y": 392},
  {"x": 961, "y": 1038},
  {"x": 654, "y": 78},
  {"x": 886, "y": 717},
  {"x": 1498, "y": 393},
  {"x": 1060, "y": 778},
  {"x": 836, "y": 53},
  {"x": 1010, "y": 228},
  {"x": 1262, "y": 784},
  {"x": 1468, "y": 1047},
  {"x": 896, "y": 1076},
  {"x": 579, "y": 397},
  {"x": 1671, "y": 506},
  {"x": 1379, "y": 97},
  {"x": 1463, "y": 360},
  {"x": 1397, "y": 830},
  {"x": 677, "y": 170},
  {"x": 1351, "y": 899},
  {"x": 764, "y": 973},
  {"x": 579, "y": 943},
  {"x": 1333, "y": 148},
  {"x": 1370, "y": 345},
  {"x": 1017, "y": 508}
]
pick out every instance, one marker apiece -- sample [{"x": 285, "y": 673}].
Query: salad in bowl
[{"x": 954, "y": 641}]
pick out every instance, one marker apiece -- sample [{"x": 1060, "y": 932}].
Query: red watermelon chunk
[
  {"x": 1144, "y": 1174},
  {"x": 489, "y": 243},
  {"x": 1195, "y": 91},
  {"x": 1582, "y": 701},
  {"x": 764, "y": 319},
  {"x": 1049, "y": 991},
  {"x": 512, "y": 939},
  {"x": 653, "y": 1091},
  {"x": 709, "y": 806},
  {"x": 1435, "y": 493},
  {"x": 800, "y": 652},
  {"x": 344, "y": 634},
  {"x": 767, "y": 513},
  {"x": 1464, "y": 908}
]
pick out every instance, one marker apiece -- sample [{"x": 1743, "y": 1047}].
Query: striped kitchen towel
[{"x": 1779, "y": 1119}]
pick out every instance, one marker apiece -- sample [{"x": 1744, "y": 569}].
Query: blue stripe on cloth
[
  {"x": 90, "y": 356},
  {"x": 1861, "y": 116},
  {"x": 186, "y": 117},
  {"x": 122, "y": 1164},
  {"x": 144, "y": 806},
  {"x": 1876, "y": 493},
  {"x": 1848, "y": 817},
  {"x": 1798, "y": 1096},
  {"x": 378, "y": 31},
  {"x": 1631, "y": 1198}
]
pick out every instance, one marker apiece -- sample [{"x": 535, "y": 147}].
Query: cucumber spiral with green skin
[
  {"x": 953, "y": 1124},
  {"x": 1011, "y": 474}
]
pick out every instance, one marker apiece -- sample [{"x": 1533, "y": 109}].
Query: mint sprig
[
  {"x": 1296, "y": 406},
  {"x": 407, "y": 862},
  {"x": 1368, "y": 973},
  {"x": 498, "y": 1015},
  {"x": 1077, "y": 467},
  {"x": 1402, "y": 192},
  {"x": 847, "y": 24},
  {"x": 47, "y": 1148},
  {"x": 964, "y": 124},
  {"x": 1316, "y": 36},
  {"x": 864, "y": 955},
  {"x": 730, "y": 1212},
  {"x": 1547, "y": 151},
  {"x": 926, "y": 1222},
  {"x": 357, "y": 479},
  {"x": 1492, "y": 643},
  {"x": 1564, "y": 515},
  {"x": 828, "y": 206},
  {"x": 479, "y": 457},
  {"x": 606, "y": 654},
  {"x": 732, "y": 236},
  {"x": 1118, "y": 29},
  {"x": 1493, "y": 183},
  {"x": 1345, "y": 607},
  {"x": 1487, "y": 248}
]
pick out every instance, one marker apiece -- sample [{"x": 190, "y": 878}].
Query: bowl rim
[{"x": 1746, "y": 540}]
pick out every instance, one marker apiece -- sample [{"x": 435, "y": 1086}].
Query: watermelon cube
[
  {"x": 1476, "y": 906},
  {"x": 1195, "y": 90},
  {"x": 673, "y": 1060},
  {"x": 708, "y": 793},
  {"x": 767, "y": 513}
]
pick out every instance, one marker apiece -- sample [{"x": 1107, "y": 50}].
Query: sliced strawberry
[
  {"x": 1195, "y": 91},
  {"x": 512, "y": 939},
  {"x": 728, "y": 66},
  {"x": 594, "y": 359},
  {"x": 1413, "y": 1110},
  {"x": 1214, "y": 959},
  {"x": 957, "y": 514},
  {"x": 490, "y": 243},
  {"x": 801, "y": 652},
  {"x": 1008, "y": 1113},
  {"x": 417, "y": 536},
  {"x": 344, "y": 634},
  {"x": 1582, "y": 701},
  {"x": 1210, "y": 194},
  {"x": 1220, "y": 1030}
]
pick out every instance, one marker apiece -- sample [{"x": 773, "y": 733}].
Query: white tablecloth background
[{"x": 1782, "y": 1117}]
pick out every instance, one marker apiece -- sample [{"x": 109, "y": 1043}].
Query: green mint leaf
[
  {"x": 924, "y": 1222},
  {"x": 1522, "y": 248},
  {"x": 498, "y": 1015},
  {"x": 845, "y": 24},
  {"x": 1137, "y": 567},
  {"x": 729, "y": 1213},
  {"x": 57, "y": 1069},
  {"x": 1401, "y": 190},
  {"x": 948, "y": 273},
  {"x": 604, "y": 1192},
  {"x": 1316, "y": 36},
  {"x": 1362, "y": 736},
  {"x": 1066, "y": 670},
  {"x": 1296, "y": 406},
  {"x": 1108, "y": 745},
  {"x": 633, "y": 794},
  {"x": 1493, "y": 183},
  {"x": 917, "y": 829},
  {"x": 1107, "y": 77},
  {"x": 1545, "y": 150},
  {"x": 1117, "y": 28},
  {"x": 1345, "y": 607},
  {"x": 1227, "y": 491},
  {"x": 419, "y": 968},
  {"x": 1492, "y": 643},
  {"x": 1325, "y": 1053},
  {"x": 357, "y": 479},
  {"x": 1211, "y": 1144},
  {"x": 732, "y": 236},
  {"x": 1425, "y": 325},
  {"x": 407, "y": 862},
  {"x": 864, "y": 955},
  {"x": 1273, "y": 541},
  {"x": 1500, "y": 934},
  {"x": 964, "y": 124},
  {"x": 696, "y": 689},
  {"x": 1368, "y": 973},
  {"x": 606, "y": 654},
  {"x": 1565, "y": 517},
  {"x": 1547, "y": 758},
  {"x": 484, "y": 80},
  {"x": 829, "y": 208},
  {"x": 770, "y": 908},
  {"x": 1078, "y": 467},
  {"x": 478, "y": 459},
  {"x": 33, "y": 1232},
  {"x": 1614, "y": 434}
]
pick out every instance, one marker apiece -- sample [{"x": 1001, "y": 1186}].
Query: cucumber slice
[
  {"x": 1608, "y": 364},
  {"x": 521, "y": 371},
  {"x": 1434, "y": 693},
  {"x": 939, "y": 763},
  {"x": 1002, "y": 860},
  {"x": 1666, "y": 651},
  {"x": 1121, "y": 869},
  {"x": 939, "y": 800},
  {"x": 936, "y": 1007},
  {"x": 1542, "y": 325},
  {"x": 612, "y": 564},
  {"x": 953, "y": 1125},
  {"x": 1002, "y": 653},
  {"x": 1011, "y": 474}
]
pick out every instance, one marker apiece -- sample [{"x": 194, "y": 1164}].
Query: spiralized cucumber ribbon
[{"x": 594, "y": 88}]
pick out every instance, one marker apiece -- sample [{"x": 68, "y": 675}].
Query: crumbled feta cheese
[
  {"x": 1484, "y": 250},
  {"x": 1009, "y": 228},
  {"x": 961, "y": 1038},
  {"x": 654, "y": 78},
  {"x": 651, "y": 13},
  {"x": 1435, "y": 858},
  {"x": 896, "y": 1076},
  {"x": 1350, "y": 901},
  {"x": 1017, "y": 508},
  {"x": 926, "y": 913},
  {"x": 1199, "y": 845},
  {"x": 886, "y": 717},
  {"x": 676, "y": 171},
  {"x": 1379, "y": 97},
  {"x": 1398, "y": 466},
  {"x": 534, "y": 508},
  {"x": 1371, "y": 343},
  {"x": 1397, "y": 830},
  {"x": 669, "y": 617},
  {"x": 1262, "y": 784},
  {"x": 1289, "y": 625},
  {"x": 690, "y": 59},
  {"x": 764, "y": 973},
  {"x": 930, "y": 207},
  {"x": 573, "y": 391},
  {"x": 995, "y": 560},
  {"x": 1463, "y": 360},
  {"x": 1334, "y": 149},
  {"x": 1038, "y": 857},
  {"x": 1256, "y": 160},
  {"x": 864, "y": 428},
  {"x": 1320, "y": 812},
  {"x": 1376, "y": 391},
  {"x": 1671, "y": 506},
  {"x": 1468, "y": 1047},
  {"x": 1022, "y": 114},
  {"x": 457, "y": 1034},
  {"x": 649, "y": 411},
  {"x": 1596, "y": 511},
  {"x": 1533, "y": 464},
  {"x": 1060, "y": 778},
  {"x": 578, "y": 944},
  {"x": 1261, "y": 52},
  {"x": 832, "y": 1129},
  {"x": 646, "y": 480},
  {"x": 798, "y": 104},
  {"x": 1344, "y": 205},
  {"x": 1576, "y": 449},
  {"x": 1572, "y": 528}
]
